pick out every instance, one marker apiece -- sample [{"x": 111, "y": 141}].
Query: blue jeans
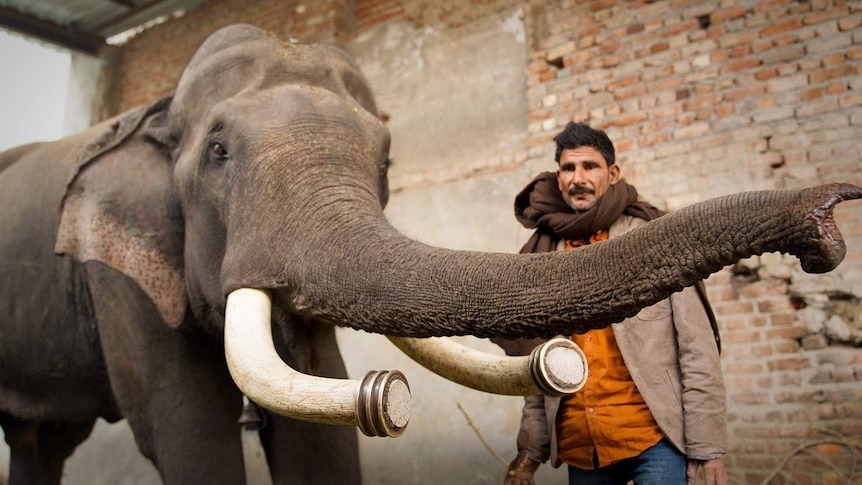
[{"x": 660, "y": 464}]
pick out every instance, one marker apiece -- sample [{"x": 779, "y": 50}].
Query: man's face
[{"x": 584, "y": 176}]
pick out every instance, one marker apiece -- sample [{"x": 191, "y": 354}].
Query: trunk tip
[{"x": 824, "y": 249}]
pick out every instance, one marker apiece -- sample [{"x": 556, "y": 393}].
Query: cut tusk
[
  {"x": 379, "y": 404},
  {"x": 554, "y": 368}
]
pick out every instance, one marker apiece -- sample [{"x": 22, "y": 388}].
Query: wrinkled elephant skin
[{"x": 266, "y": 172}]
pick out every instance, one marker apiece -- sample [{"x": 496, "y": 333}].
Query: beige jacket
[{"x": 671, "y": 353}]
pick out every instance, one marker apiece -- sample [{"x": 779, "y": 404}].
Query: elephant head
[{"x": 268, "y": 205}]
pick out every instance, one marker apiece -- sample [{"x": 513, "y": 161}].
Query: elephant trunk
[
  {"x": 379, "y": 281},
  {"x": 362, "y": 273}
]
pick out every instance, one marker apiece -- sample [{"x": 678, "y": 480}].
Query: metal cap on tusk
[
  {"x": 555, "y": 368},
  {"x": 383, "y": 404},
  {"x": 558, "y": 367},
  {"x": 379, "y": 404}
]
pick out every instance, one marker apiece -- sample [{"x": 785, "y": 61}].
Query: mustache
[{"x": 580, "y": 190}]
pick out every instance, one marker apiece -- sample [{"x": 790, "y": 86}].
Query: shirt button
[
  {"x": 590, "y": 373},
  {"x": 589, "y": 338},
  {"x": 590, "y": 410}
]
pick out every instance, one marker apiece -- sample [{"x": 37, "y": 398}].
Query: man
[{"x": 653, "y": 409}]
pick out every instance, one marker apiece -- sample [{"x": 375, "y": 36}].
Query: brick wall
[
  {"x": 708, "y": 98},
  {"x": 702, "y": 98},
  {"x": 153, "y": 61}
]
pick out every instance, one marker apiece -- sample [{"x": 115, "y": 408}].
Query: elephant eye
[
  {"x": 219, "y": 150},
  {"x": 384, "y": 167}
]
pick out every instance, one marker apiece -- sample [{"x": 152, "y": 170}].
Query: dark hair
[{"x": 576, "y": 135}]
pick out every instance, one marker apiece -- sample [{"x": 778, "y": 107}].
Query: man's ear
[
  {"x": 614, "y": 173},
  {"x": 559, "y": 182}
]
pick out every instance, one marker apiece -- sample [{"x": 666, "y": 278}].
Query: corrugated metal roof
[{"x": 84, "y": 25}]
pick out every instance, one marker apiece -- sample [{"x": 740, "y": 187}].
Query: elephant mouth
[{"x": 379, "y": 403}]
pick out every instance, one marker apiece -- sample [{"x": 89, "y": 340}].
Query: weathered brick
[
  {"x": 832, "y": 73},
  {"x": 744, "y": 93},
  {"x": 748, "y": 336},
  {"x": 766, "y": 74},
  {"x": 794, "y": 332},
  {"x": 750, "y": 397},
  {"x": 812, "y": 93},
  {"x": 781, "y": 27},
  {"x": 827, "y": 105},
  {"x": 829, "y": 44},
  {"x": 786, "y": 347},
  {"x": 787, "y": 83},
  {"x": 697, "y": 129},
  {"x": 762, "y": 351},
  {"x": 556, "y": 53},
  {"x": 783, "y": 54},
  {"x": 733, "y": 39},
  {"x": 836, "y": 88},
  {"x": 728, "y": 14},
  {"x": 850, "y": 22},
  {"x": 848, "y": 100},
  {"x": 825, "y": 15},
  {"x": 740, "y": 65}
]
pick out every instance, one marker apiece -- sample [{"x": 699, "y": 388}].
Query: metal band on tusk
[
  {"x": 555, "y": 368},
  {"x": 378, "y": 404},
  {"x": 558, "y": 367},
  {"x": 383, "y": 404}
]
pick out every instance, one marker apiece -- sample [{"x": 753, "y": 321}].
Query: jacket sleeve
[
  {"x": 533, "y": 438},
  {"x": 703, "y": 392}
]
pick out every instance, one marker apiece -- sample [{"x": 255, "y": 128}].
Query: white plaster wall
[
  {"x": 84, "y": 73},
  {"x": 456, "y": 98},
  {"x": 32, "y": 90}
]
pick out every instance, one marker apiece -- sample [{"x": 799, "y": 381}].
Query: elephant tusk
[
  {"x": 379, "y": 404},
  {"x": 554, "y": 368}
]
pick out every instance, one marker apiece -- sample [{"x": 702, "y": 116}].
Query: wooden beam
[
  {"x": 50, "y": 32},
  {"x": 125, "y": 3},
  {"x": 126, "y": 15}
]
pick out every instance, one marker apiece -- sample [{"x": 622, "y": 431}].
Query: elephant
[{"x": 161, "y": 264}]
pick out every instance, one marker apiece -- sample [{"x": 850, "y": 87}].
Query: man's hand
[
  {"x": 713, "y": 471},
  {"x": 521, "y": 471}
]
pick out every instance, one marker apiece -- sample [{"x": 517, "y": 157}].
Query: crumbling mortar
[{"x": 832, "y": 318}]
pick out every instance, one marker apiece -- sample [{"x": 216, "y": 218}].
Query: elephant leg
[
  {"x": 302, "y": 452},
  {"x": 23, "y": 440},
  {"x": 172, "y": 385},
  {"x": 57, "y": 441},
  {"x": 39, "y": 450}
]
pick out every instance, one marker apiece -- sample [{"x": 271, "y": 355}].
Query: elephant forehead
[
  {"x": 257, "y": 66},
  {"x": 279, "y": 57}
]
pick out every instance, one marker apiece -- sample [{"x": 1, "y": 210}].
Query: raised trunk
[{"x": 375, "y": 279}]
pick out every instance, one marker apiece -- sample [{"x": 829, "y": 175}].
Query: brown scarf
[{"x": 541, "y": 206}]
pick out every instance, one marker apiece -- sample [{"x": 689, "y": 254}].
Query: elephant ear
[{"x": 120, "y": 208}]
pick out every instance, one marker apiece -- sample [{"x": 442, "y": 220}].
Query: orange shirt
[{"x": 608, "y": 416}]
